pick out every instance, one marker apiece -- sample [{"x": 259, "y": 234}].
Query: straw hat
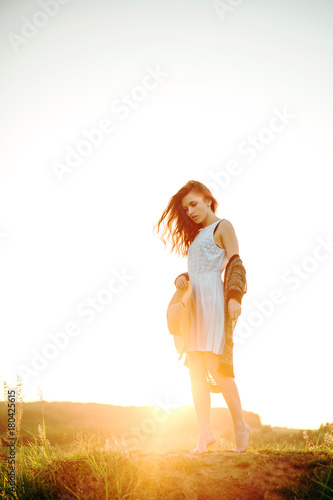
[{"x": 178, "y": 312}]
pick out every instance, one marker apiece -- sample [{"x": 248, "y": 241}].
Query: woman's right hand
[{"x": 181, "y": 282}]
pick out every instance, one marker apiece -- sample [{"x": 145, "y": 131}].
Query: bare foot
[
  {"x": 204, "y": 440},
  {"x": 242, "y": 439}
]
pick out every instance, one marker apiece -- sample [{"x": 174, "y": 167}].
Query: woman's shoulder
[
  {"x": 225, "y": 225},
  {"x": 226, "y": 236}
]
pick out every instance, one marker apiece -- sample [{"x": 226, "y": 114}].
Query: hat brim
[{"x": 178, "y": 312}]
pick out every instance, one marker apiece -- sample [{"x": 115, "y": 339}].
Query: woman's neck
[{"x": 210, "y": 219}]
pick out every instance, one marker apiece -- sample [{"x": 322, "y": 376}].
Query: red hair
[{"x": 175, "y": 225}]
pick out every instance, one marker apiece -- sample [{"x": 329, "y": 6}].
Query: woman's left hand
[{"x": 234, "y": 308}]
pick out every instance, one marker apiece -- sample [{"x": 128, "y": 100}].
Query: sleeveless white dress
[{"x": 206, "y": 262}]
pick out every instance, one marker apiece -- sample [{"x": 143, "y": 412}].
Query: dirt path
[{"x": 226, "y": 475}]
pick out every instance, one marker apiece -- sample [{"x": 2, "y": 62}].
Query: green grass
[
  {"x": 89, "y": 470},
  {"x": 317, "y": 482},
  {"x": 294, "y": 464},
  {"x": 95, "y": 470}
]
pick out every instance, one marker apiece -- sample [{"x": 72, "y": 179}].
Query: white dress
[{"x": 206, "y": 262}]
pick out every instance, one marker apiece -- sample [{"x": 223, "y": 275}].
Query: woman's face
[{"x": 196, "y": 207}]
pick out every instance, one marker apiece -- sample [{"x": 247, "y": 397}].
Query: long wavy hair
[{"x": 175, "y": 226}]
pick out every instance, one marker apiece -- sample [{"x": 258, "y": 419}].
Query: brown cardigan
[{"x": 235, "y": 286}]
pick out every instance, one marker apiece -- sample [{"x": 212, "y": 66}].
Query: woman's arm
[{"x": 225, "y": 237}]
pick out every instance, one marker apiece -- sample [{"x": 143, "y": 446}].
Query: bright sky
[{"x": 238, "y": 97}]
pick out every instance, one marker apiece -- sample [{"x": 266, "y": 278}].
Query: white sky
[{"x": 223, "y": 79}]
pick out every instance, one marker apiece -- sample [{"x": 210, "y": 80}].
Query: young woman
[{"x": 190, "y": 224}]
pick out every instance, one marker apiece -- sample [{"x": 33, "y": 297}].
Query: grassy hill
[
  {"x": 145, "y": 426},
  {"x": 90, "y": 451}
]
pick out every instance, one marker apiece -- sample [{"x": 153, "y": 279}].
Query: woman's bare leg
[
  {"x": 230, "y": 393},
  {"x": 201, "y": 399}
]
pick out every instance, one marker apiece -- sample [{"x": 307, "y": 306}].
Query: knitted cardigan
[{"x": 235, "y": 286}]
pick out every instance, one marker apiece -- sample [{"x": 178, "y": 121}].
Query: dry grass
[{"x": 95, "y": 468}]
